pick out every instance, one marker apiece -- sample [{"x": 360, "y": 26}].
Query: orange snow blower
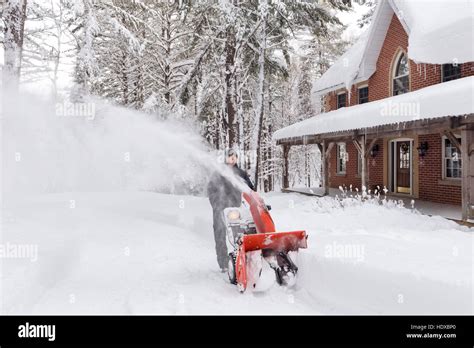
[{"x": 251, "y": 228}]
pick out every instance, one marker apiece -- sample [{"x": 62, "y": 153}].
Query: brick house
[{"x": 392, "y": 122}]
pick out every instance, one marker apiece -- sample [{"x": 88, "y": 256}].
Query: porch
[
  {"x": 444, "y": 110},
  {"x": 448, "y": 211}
]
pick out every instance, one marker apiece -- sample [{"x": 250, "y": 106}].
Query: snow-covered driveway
[{"x": 142, "y": 252}]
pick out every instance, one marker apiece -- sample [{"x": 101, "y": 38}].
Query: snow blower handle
[{"x": 262, "y": 218}]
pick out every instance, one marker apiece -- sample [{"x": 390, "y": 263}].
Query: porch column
[
  {"x": 363, "y": 169},
  {"x": 325, "y": 150},
  {"x": 364, "y": 154},
  {"x": 360, "y": 146},
  {"x": 285, "y": 179},
  {"x": 366, "y": 160},
  {"x": 467, "y": 153},
  {"x": 324, "y": 168}
]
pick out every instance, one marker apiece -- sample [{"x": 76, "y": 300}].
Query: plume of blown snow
[{"x": 96, "y": 146}]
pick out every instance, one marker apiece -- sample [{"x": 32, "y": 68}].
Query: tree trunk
[
  {"x": 270, "y": 155},
  {"x": 307, "y": 166},
  {"x": 257, "y": 135},
  {"x": 124, "y": 79},
  {"x": 14, "y": 18},
  {"x": 240, "y": 126},
  {"x": 167, "y": 77},
  {"x": 229, "y": 82},
  {"x": 285, "y": 178},
  {"x": 218, "y": 130}
]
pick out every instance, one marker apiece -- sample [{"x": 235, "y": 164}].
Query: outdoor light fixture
[
  {"x": 423, "y": 148},
  {"x": 374, "y": 151}
]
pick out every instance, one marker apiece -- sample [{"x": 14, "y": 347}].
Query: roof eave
[
  {"x": 341, "y": 85},
  {"x": 449, "y": 121}
]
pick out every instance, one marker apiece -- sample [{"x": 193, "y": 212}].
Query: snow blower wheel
[
  {"x": 231, "y": 269},
  {"x": 286, "y": 269}
]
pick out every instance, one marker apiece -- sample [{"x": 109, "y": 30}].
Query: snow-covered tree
[
  {"x": 47, "y": 41},
  {"x": 367, "y": 16},
  {"x": 238, "y": 69}
]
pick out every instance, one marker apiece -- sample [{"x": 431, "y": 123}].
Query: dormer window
[
  {"x": 451, "y": 72},
  {"x": 363, "y": 95},
  {"x": 400, "y": 75},
  {"x": 341, "y": 100}
]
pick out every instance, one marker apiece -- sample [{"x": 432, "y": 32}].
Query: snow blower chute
[{"x": 250, "y": 228}]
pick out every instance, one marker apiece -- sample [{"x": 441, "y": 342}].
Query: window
[
  {"x": 404, "y": 156},
  {"x": 451, "y": 72},
  {"x": 400, "y": 76},
  {"x": 341, "y": 158},
  {"x": 452, "y": 165},
  {"x": 341, "y": 100},
  {"x": 363, "y": 95}
]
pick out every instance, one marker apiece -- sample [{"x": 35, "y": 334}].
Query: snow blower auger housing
[{"x": 250, "y": 227}]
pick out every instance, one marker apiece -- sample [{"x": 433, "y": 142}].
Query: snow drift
[{"x": 149, "y": 253}]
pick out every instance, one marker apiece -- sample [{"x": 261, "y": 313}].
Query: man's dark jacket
[{"x": 222, "y": 193}]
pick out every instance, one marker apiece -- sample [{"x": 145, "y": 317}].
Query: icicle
[{"x": 424, "y": 67}]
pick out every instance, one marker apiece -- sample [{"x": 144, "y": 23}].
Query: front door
[{"x": 403, "y": 166}]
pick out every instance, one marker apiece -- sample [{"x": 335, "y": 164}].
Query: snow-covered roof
[
  {"x": 345, "y": 70},
  {"x": 358, "y": 63},
  {"x": 439, "y": 32},
  {"x": 453, "y": 98}
]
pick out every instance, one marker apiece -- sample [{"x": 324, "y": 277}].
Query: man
[{"x": 223, "y": 194}]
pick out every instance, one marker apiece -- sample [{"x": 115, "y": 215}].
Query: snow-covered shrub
[{"x": 350, "y": 197}]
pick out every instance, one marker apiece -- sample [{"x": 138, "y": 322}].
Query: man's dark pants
[{"x": 220, "y": 236}]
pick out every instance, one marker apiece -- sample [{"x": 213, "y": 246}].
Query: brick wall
[
  {"x": 331, "y": 101},
  {"x": 379, "y": 82},
  {"x": 351, "y": 177},
  {"x": 467, "y": 69},
  {"x": 374, "y": 166},
  {"x": 430, "y": 173}
]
